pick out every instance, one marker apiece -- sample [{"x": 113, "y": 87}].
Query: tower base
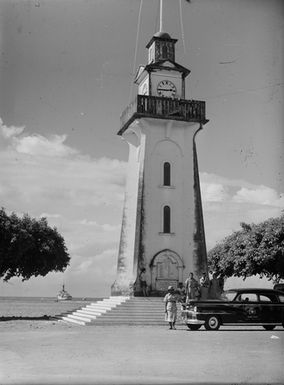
[{"x": 125, "y": 289}]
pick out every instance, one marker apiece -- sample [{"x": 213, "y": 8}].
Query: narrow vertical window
[
  {"x": 165, "y": 51},
  {"x": 167, "y": 219},
  {"x": 167, "y": 174}
]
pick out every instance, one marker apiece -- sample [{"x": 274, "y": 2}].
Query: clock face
[{"x": 167, "y": 89}]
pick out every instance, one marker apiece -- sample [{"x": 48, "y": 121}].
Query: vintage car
[{"x": 250, "y": 307}]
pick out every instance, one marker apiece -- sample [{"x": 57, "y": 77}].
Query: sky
[{"x": 66, "y": 75}]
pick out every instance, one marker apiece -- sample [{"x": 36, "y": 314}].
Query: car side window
[
  {"x": 281, "y": 298},
  {"x": 247, "y": 297},
  {"x": 264, "y": 298}
]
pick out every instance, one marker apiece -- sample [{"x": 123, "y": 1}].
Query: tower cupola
[{"x": 161, "y": 47}]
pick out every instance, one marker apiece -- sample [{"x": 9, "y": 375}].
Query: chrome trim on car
[
  {"x": 251, "y": 324},
  {"x": 194, "y": 322}
]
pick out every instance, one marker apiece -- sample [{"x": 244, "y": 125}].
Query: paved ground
[{"x": 52, "y": 353}]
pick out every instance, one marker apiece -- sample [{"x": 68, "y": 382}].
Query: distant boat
[{"x": 63, "y": 295}]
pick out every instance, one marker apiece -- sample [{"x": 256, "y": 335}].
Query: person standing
[
  {"x": 170, "y": 300},
  {"x": 182, "y": 293},
  {"x": 143, "y": 282},
  {"x": 214, "y": 288},
  {"x": 221, "y": 282},
  {"x": 204, "y": 286},
  {"x": 192, "y": 288}
]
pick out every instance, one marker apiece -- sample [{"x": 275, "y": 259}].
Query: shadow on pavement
[{"x": 20, "y": 318}]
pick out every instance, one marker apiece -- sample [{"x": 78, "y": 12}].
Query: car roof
[{"x": 254, "y": 290}]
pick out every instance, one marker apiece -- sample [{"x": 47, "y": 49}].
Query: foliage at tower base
[
  {"x": 254, "y": 250},
  {"x": 29, "y": 247}
]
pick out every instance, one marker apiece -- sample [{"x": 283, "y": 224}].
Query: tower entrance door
[{"x": 166, "y": 270}]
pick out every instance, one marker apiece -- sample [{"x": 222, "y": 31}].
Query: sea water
[{"x": 39, "y": 306}]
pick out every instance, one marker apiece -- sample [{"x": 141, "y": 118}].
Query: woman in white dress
[{"x": 171, "y": 307}]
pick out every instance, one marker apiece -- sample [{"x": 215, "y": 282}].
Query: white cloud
[
  {"x": 11, "y": 131},
  {"x": 36, "y": 144},
  {"x": 85, "y": 222},
  {"x": 47, "y": 215},
  {"x": 103, "y": 227},
  {"x": 219, "y": 189},
  {"x": 214, "y": 192},
  {"x": 110, "y": 228},
  {"x": 227, "y": 202},
  {"x": 261, "y": 195},
  {"x": 97, "y": 263},
  {"x": 40, "y": 146},
  {"x": 217, "y": 179},
  {"x": 44, "y": 184},
  {"x": 65, "y": 188}
]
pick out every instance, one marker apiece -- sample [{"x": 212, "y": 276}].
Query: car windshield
[{"x": 229, "y": 295}]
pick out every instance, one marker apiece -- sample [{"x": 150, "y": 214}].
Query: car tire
[
  {"x": 193, "y": 327},
  {"x": 269, "y": 327},
  {"x": 212, "y": 323}
]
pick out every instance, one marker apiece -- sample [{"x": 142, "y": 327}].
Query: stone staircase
[
  {"x": 92, "y": 311},
  {"x": 119, "y": 311}
]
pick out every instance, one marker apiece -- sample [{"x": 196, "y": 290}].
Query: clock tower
[
  {"x": 162, "y": 76},
  {"x": 162, "y": 232}
]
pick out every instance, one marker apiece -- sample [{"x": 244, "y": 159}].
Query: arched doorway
[{"x": 166, "y": 269}]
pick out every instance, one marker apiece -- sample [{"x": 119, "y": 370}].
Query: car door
[
  {"x": 231, "y": 311},
  {"x": 249, "y": 308},
  {"x": 270, "y": 310}
]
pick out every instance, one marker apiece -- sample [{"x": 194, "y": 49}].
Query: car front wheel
[
  {"x": 193, "y": 327},
  {"x": 212, "y": 323},
  {"x": 269, "y": 327}
]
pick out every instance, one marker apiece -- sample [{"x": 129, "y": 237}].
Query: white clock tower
[{"x": 162, "y": 225}]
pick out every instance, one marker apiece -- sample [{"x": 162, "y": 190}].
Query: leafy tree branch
[
  {"x": 253, "y": 250},
  {"x": 29, "y": 247}
]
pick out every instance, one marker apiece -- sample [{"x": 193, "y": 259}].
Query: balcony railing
[{"x": 162, "y": 108}]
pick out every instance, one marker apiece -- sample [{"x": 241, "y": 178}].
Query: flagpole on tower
[{"x": 161, "y": 15}]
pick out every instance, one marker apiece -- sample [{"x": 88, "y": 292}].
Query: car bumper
[
  {"x": 194, "y": 322},
  {"x": 192, "y": 318}
]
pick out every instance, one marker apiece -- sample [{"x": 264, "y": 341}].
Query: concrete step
[
  {"x": 73, "y": 321},
  {"x": 129, "y": 322},
  {"x": 138, "y": 308},
  {"x": 78, "y": 318},
  {"x": 132, "y": 314},
  {"x": 119, "y": 311},
  {"x": 154, "y": 300},
  {"x": 124, "y": 311},
  {"x": 142, "y": 305},
  {"x": 89, "y": 312},
  {"x": 82, "y": 313},
  {"x": 109, "y": 302},
  {"x": 100, "y": 307}
]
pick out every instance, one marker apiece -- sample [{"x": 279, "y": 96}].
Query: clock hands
[{"x": 166, "y": 88}]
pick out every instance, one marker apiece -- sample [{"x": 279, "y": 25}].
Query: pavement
[{"x": 45, "y": 352}]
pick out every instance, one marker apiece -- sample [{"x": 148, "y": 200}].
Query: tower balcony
[{"x": 162, "y": 108}]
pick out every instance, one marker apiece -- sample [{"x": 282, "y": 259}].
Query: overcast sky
[{"x": 66, "y": 75}]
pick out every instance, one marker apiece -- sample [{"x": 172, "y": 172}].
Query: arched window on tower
[
  {"x": 166, "y": 219},
  {"x": 167, "y": 174}
]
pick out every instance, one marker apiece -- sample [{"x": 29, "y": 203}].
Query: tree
[
  {"x": 253, "y": 250},
  {"x": 29, "y": 247}
]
